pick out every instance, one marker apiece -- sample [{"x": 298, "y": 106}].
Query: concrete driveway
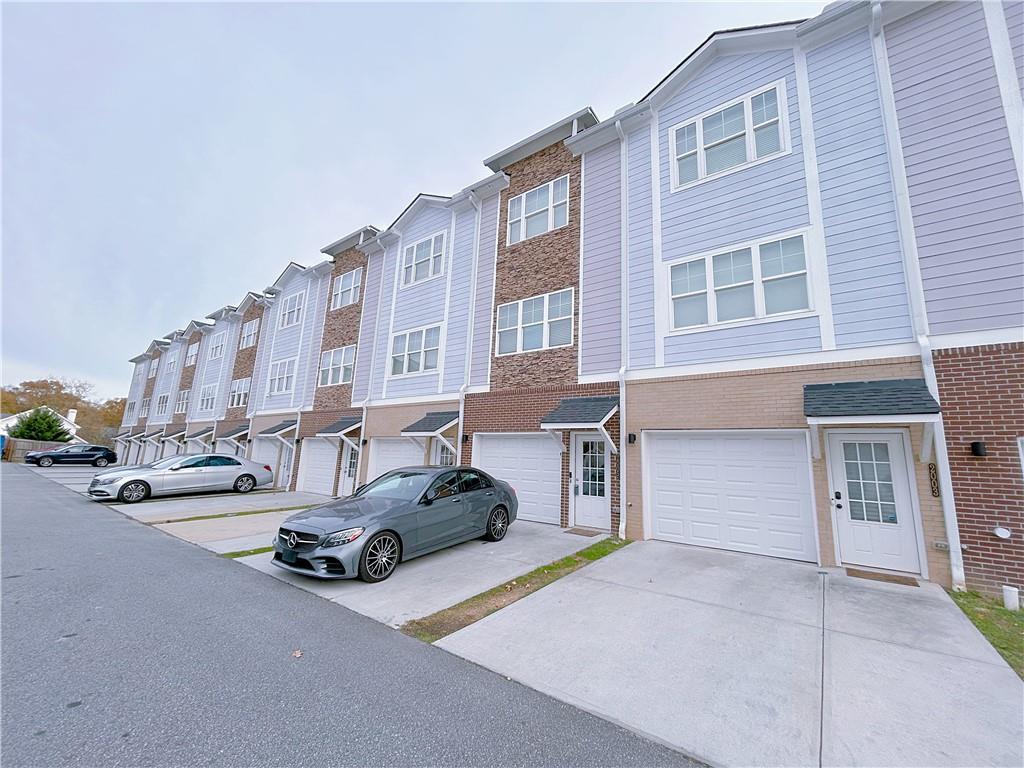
[
  {"x": 430, "y": 583},
  {"x": 745, "y": 660}
]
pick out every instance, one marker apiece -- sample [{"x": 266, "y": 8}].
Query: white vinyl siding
[
  {"x": 239, "y": 395},
  {"x": 217, "y": 346},
  {"x": 415, "y": 351},
  {"x": 540, "y": 210},
  {"x": 282, "y": 377},
  {"x": 540, "y": 322},
  {"x": 181, "y": 404},
  {"x": 291, "y": 309},
  {"x": 192, "y": 354},
  {"x": 336, "y": 366},
  {"x": 207, "y": 397},
  {"x": 423, "y": 259},
  {"x": 346, "y": 288},
  {"x": 250, "y": 332}
]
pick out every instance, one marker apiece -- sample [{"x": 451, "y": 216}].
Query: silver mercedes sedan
[{"x": 196, "y": 473}]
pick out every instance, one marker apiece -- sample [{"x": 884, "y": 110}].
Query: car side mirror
[
  {"x": 426, "y": 501},
  {"x": 357, "y": 490},
  {"x": 175, "y": 468}
]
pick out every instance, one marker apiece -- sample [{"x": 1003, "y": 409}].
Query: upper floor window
[
  {"x": 745, "y": 131},
  {"x": 291, "y": 309},
  {"x": 191, "y": 354},
  {"x": 346, "y": 288},
  {"x": 538, "y": 211},
  {"x": 415, "y": 351},
  {"x": 239, "y": 392},
  {"x": 181, "y": 404},
  {"x": 423, "y": 260},
  {"x": 540, "y": 322},
  {"x": 749, "y": 282},
  {"x": 161, "y": 404},
  {"x": 153, "y": 366},
  {"x": 217, "y": 346},
  {"x": 172, "y": 361},
  {"x": 207, "y": 397},
  {"x": 336, "y": 366},
  {"x": 250, "y": 332},
  {"x": 282, "y": 377},
  {"x": 129, "y": 411},
  {"x": 144, "y": 408}
]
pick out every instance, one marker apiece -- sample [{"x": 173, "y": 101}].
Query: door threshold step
[{"x": 891, "y": 578}]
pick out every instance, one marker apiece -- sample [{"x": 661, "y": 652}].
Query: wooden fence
[{"x": 15, "y": 448}]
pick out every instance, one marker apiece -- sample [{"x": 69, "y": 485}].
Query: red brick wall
[
  {"x": 341, "y": 328},
  {"x": 245, "y": 361},
  {"x": 520, "y": 410},
  {"x": 982, "y": 394},
  {"x": 147, "y": 391}
]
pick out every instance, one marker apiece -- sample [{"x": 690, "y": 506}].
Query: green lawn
[{"x": 1003, "y": 628}]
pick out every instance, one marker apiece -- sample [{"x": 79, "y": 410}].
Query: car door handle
[
  {"x": 456, "y": 499},
  {"x": 489, "y": 493}
]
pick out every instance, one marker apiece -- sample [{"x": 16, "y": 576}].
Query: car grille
[{"x": 305, "y": 541}]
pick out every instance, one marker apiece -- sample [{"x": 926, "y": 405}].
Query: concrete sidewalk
[
  {"x": 165, "y": 508},
  {"x": 746, "y": 660}
]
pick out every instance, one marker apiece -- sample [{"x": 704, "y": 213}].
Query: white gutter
[
  {"x": 467, "y": 365},
  {"x": 623, "y": 319}
]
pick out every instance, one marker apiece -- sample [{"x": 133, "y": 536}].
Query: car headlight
[
  {"x": 106, "y": 480},
  {"x": 343, "y": 537}
]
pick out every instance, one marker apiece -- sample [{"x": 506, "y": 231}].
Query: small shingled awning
[
  {"x": 890, "y": 401},
  {"x": 278, "y": 429},
  {"x": 235, "y": 432},
  {"x": 151, "y": 435},
  {"x": 583, "y": 413},
  {"x": 340, "y": 427},
  {"x": 175, "y": 431},
  {"x": 432, "y": 425},
  {"x": 199, "y": 434}
]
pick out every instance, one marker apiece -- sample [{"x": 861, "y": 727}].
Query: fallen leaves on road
[{"x": 297, "y": 653}]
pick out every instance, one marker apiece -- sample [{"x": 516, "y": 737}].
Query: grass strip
[
  {"x": 1003, "y": 628},
  {"x": 247, "y": 552},
  {"x": 230, "y": 514},
  {"x": 431, "y": 628}
]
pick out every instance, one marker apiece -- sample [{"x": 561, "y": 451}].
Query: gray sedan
[
  {"x": 181, "y": 474},
  {"x": 402, "y": 514}
]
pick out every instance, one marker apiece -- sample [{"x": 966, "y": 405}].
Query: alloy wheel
[
  {"x": 134, "y": 492},
  {"x": 101, "y": 462},
  {"x": 46, "y": 461},
  {"x": 499, "y": 523},
  {"x": 382, "y": 556},
  {"x": 244, "y": 484}
]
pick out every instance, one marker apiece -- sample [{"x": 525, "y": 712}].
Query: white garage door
[
  {"x": 387, "y": 453},
  {"x": 532, "y": 464},
  {"x": 226, "y": 446},
  {"x": 149, "y": 452},
  {"x": 317, "y": 463},
  {"x": 749, "y": 493},
  {"x": 270, "y": 451}
]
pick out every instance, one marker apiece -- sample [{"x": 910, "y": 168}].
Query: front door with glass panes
[
  {"x": 591, "y": 487},
  {"x": 872, "y": 500},
  {"x": 440, "y": 454},
  {"x": 349, "y": 467}
]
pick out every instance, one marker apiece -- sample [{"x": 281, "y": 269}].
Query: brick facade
[
  {"x": 188, "y": 376},
  {"x": 341, "y": 328},
  {"x": 245, "y": 361},
  {"x": 147, "y": 391},
  {"x": 982, "y": 394}
]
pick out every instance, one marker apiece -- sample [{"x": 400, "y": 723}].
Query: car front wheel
[
  {"x": 497, "y": 524},
  {"x": 133, "y": 492},
  {"x": 379, "y": 557},
  {"x": 46, "y": 461},
  {"x": 245, "y": 483},
  {"x": 100, "y": 462}
]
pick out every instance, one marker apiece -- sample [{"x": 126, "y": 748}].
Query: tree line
[{"x": 98, "y": 419}]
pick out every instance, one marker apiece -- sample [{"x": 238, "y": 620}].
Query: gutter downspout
[
  {"x": 915, "y": 288},
  {"x": 623, "y": 323},
  {"x": 466, "y": 367},
  {"x": 373, "y": 359}
]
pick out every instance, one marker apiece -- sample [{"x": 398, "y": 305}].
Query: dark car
[
  {"x": 402, "y": 514},
  {"x": 97, "y": 455}
]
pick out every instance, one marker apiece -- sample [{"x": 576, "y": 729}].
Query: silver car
[{"x": 181, "y": 474}]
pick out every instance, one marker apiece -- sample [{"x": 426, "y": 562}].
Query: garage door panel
[
  {"x": 387, "y": 453},
  {"x": 532, "y": 464},
  {"x": 316, "y": 466}
]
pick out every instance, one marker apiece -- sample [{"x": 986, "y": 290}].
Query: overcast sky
[{"x": 161, "y": 160}]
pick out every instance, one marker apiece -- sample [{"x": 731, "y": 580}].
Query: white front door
[
  {"x": 349, "y": 466},
  {"x": 591, "y": 499},
  {"x": 440, "y": 454},
  {"x": 872, "y": 500}
]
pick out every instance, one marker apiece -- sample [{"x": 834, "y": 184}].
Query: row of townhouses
[{"x": 774, "y": 306}]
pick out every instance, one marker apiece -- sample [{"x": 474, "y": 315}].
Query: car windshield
[
  {"x": 400, "y": 484},
  {"x": 164, "y": 463}
]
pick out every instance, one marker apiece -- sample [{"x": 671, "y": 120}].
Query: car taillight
[
  {"x": 511, "y": 488},
  {"x": 267, "y": 467}
]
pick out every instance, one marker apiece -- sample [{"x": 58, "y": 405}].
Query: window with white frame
[
  {"x": 153, "y": 367},
  {"x": 239, "y": 392},
  {"x": 291, "y": 309},
  {"x": 282, "y": 377},
  {"x": 172, "y": 362},
  {"x": 415, "y": 351},
  {"x": 336, "y": 365},
  {"x": 540, "y": 210},
  {"x": 207, "y": 397},
  {"x": 423, "y": 260},
  {"x": 540, "y": 322},
  {"x": 250, "y": 332},
  {"x": 217, "y": 346},
  {"x": 129, "y": 411},
  {"x": 181, "y": 404},
  {"x": 191, "y": 354},
  {"x": 144, "y": 408},
  {"x": 161, "y": 404},
  {"x": 748, "y": 282},
  {"x": 346, "y": 288},
  {"x": 745, "y": 131}
]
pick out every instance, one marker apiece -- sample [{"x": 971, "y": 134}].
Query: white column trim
[{"x": 1006, "y": 76}]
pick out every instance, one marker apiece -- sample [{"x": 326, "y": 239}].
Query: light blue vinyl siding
[
  {"x": 211, "y": 371},
  {"x": 167, "y": 383},
  {"x": 423, "y": 303},
  {"x": 600, "y": 291},
  {"x": 410, "y": 386},
  {"x": 484, "y": 289},
  {"x": 781, "y": 337},
  {"x": 641, "y": 250},
  {"x": 862, "y": 243},
  {"x": 309, "y": 349},
  {"x": 135, "y": 390},
  {"x": 965, "y": 195},
  {"x": 383, "y": 340},
  {"x": 372, "y": 301},
  {"x": 746, "y": 204},
  {"x": 1014, "y": 10},
  {"x": 457, "y": 343}
]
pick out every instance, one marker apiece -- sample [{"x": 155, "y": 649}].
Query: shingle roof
[
  {"x": 582, "y": 410},
  {"x": 155, "y": 433},
  {"x": 235, "y": 432},
  {"x": 869, "y": 398},
  {"x": 432, "y": 422},
  {"x": 282, "y": 426},
  {"x": 341, "y": 425},
  {"x": 175, "y": 431},
  {"x": 199, "y": 433}
]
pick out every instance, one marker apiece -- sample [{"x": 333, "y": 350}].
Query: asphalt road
[{"x": 122, "y": 646}]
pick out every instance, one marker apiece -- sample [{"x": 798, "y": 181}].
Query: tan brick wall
[
  {"x": 549, "y": 262},
  {"x": 341, "y": 328},
  {"x": 245, "y": 361},
  {"x": 769, "y": 399},
  {"x": 982, "y": 394},
  {"x": 147, "y": 391},
  {"x": 188, "y": 376},
  {"x": 389, "y": 420}
]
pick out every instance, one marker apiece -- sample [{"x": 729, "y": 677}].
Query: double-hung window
[
  {"x": 129, "y": 411},
  {"x": 144, "y": 408},
  {"x": 336, "y": 365},
  {"x": 282, "y": 377},
  {"x": 415, "y": 351},
  {"x": 172, "y": 361},
  {"x": 291, "y": 309},
  {"x": 540, "y": 322},
  {"x": 207, "y": 397},
  {"x": 423, "y": 260},
  {"x": 346, "y": 288},
  {"x": 153, "y": 366},
  {"x": 749, "y": 282},
  {"x": 191, "y": 354},
  {"x": 539, "y": 210},
  {"x": 239, "y": 392},
  {"x": 217, "y": 346},
  {"x": 731, "y": 136},
  {"x": 250, "y": 332},
  {"x": 161, "y": 405},
  {"x": 181, "y": 404}
]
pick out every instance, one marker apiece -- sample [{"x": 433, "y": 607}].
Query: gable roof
[
  {"x": 9, "y": 418},
  {"x": 421, "y": 200},
  {"x": 568, "y": 126},
  {"x": 247, "y": 301},
  {"x": 350, "y": 240}
]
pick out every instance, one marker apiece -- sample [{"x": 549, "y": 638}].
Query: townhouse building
[{"x": 774, "y": 306}]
